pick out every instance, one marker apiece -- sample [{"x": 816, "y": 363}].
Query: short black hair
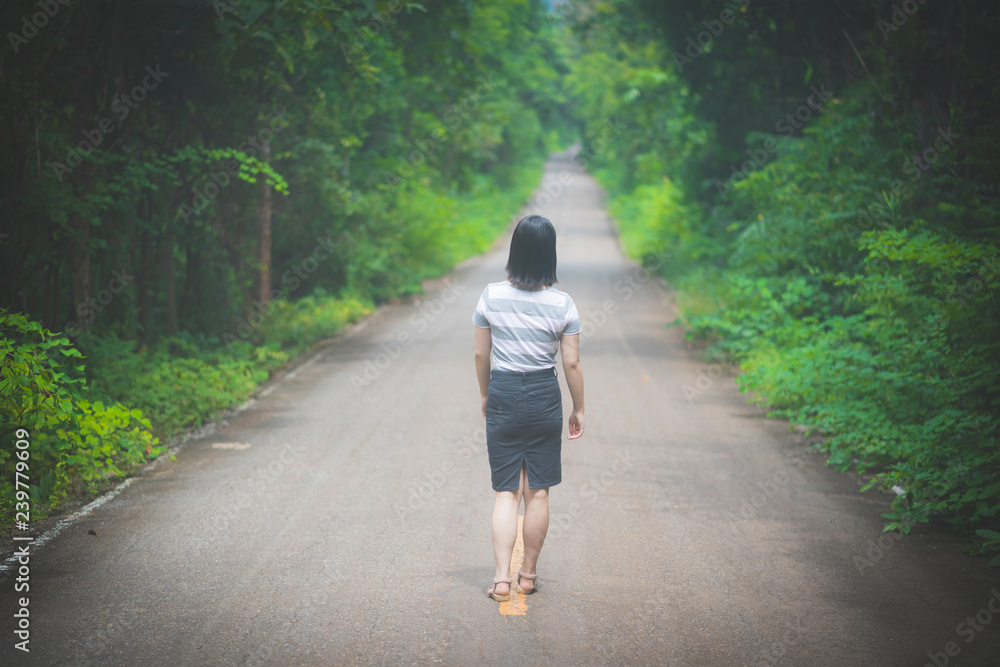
[{"x": 532, "y": 259}]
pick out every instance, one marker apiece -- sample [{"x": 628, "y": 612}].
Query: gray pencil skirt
[{"x": 524, "y": 424}]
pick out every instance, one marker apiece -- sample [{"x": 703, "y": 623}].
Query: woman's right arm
[
  {"x": 484, "y": 346},
  {"x": 570, "y": 350}
]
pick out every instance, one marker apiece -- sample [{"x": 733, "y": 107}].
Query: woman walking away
[{"x": 523, "y": 322}]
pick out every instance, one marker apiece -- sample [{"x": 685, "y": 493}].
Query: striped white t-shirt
[{"x": 525, "y": 324}]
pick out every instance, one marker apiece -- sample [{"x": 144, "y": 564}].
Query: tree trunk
[
  {"x": 168, "y": 269},
  {"x": 47, "y": 306},
  {"x": 51, "y": 309},
  {"x": 55, "y": 296},
  {"x": 81, "y": 180},
  {"x": 196, "y": 306},
  {"x": 79, "y": 252},
  {"x": 264, "y": 238},
  {"x": 79, "y": 270},
  {"x": 142, "y": 284}
]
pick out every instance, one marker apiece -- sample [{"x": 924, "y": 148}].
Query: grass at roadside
[{"x": 885, "y": 341}]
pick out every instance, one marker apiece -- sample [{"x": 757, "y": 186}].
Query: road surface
[{"x": 344, "y": 517}]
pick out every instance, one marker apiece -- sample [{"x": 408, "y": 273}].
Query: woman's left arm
[{"x": 484, "y": 345}]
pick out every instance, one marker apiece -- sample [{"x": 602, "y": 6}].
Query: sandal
[
  {"x": 499, "y": 597},
  {"x": 530, "y": 577}
]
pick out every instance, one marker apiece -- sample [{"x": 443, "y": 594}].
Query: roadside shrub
[
  {"x": 73, "y": 441},
  {"x": 294, "y": 326},
  {"x": 856, "y": 303},
  {"x": 175, "y": 384}
]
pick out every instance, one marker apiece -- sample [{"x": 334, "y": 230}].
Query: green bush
[
  {"x": 181, "y": 381},
  {"x": 294, "y": 326},
  {"x": 419, "y": 229},
  {"x": 74, "y": 443},
  {"x": 851, "y": 306},
  {"x": 176, "y": 392},
  {"x": 661, "y": 224}
]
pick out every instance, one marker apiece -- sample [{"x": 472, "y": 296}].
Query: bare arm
[
  {"x": 570, "y": 346},
  {"x": 484, "y": 345}
]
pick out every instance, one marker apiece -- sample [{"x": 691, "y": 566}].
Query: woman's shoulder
[
  {"x": 554, "y": 290},
  {"x": 564, "y": 297},
  {"x": 491, "y": 288},
  {"x": 503, "y": 289}
]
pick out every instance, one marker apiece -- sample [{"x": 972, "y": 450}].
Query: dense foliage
[
  {"x": 194, "y": 190},
  {"x": 71, "y": 439},
  {"x": 826, "y": 176}
]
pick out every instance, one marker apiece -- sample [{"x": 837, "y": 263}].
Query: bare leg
[
  {"x": 504, "y": 534},
  {"x": 534, "y": 528}
]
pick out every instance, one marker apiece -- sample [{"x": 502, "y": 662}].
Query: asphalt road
[{"x": 344, "y": 517}]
